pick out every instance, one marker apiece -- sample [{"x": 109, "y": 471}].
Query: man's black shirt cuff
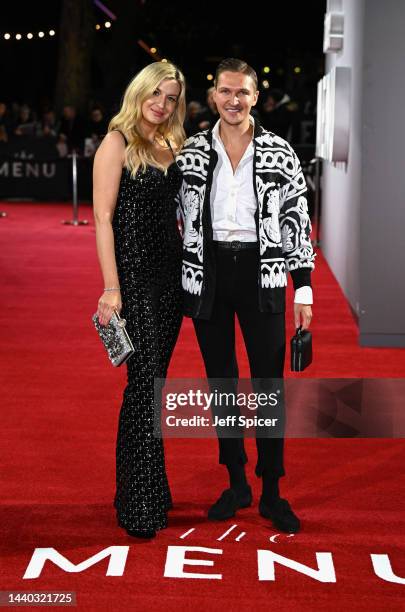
[{"x": 301, "y": 277}]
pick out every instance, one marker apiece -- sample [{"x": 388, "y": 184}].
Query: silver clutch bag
[{"x": 115, "y": 339}]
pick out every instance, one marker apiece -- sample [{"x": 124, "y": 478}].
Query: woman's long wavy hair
[{"x": 139, "y": 151}]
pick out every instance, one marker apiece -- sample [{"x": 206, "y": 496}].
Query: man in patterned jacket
[{"x": 246, "y": 225}]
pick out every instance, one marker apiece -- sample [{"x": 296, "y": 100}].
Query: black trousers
[{"x": 264, "y": 335}]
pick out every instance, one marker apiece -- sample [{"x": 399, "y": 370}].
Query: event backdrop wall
[{"x": 363, "y": 211}]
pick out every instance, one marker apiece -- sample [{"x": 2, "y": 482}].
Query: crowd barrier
[
  {"x": 45, "y": 179},
  {"x": 28, "y": 176}
]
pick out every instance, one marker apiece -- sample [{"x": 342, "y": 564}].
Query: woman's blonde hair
[{"x": 139, "y": 150}]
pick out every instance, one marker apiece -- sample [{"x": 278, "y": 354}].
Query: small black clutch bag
[
  {"x": 115, "y": 338},
  {"x": 301, "y": 350}
]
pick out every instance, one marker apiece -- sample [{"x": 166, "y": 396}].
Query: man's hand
[{"x": 302, "y": 315}]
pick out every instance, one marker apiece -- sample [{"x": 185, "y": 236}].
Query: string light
[
  {"x": 209, "y": 77},
  {"x": 28, "y": 35},
  {"x": 297, "y": 69},
  {"x": 51, "y": 33},
  {"x": 265, "y": 84},
  {"x": 153, "y": 50},
  {"x": 107, "y": 25},
  {"x": 266, "y": 69},
  {"x": 164, "y": 60}
]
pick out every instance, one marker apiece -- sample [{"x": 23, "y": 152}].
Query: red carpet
[{"x": 60, "y": 407}]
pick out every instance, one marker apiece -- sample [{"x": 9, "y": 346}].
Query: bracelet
[{"x": 112, "y": 289}]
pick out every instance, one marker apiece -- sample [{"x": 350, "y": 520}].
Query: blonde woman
[{"x": 139, "y": 248}]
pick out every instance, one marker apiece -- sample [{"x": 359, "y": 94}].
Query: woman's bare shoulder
[
  {"x": 114, "y": 138},
  {"x": 112, "y": 147}
]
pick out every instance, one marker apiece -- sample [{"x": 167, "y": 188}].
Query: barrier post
[{"x": 75, "y": 220}]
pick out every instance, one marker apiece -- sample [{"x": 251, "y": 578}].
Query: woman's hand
[{"x": 109, "y": 301}]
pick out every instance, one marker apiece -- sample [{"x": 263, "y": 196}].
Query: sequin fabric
[{"x": 148, "y": 251}]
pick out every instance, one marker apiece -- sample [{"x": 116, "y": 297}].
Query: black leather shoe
[
  {"x": 145, "y": 535},
  {"x": 229, "y": 502},
  {"x": 281, "y": 515}
]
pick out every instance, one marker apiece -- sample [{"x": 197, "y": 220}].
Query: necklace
[{"x": 155, "y": 141}]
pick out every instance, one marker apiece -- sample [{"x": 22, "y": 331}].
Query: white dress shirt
[{"x": 233, "y": 201}]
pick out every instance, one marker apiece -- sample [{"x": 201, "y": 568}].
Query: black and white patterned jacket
[{"x": 282, "y": 221}]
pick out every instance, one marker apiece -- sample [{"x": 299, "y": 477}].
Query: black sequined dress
[{"x": 148, "y": 250}]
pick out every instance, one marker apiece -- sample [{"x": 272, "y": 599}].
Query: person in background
[
  {"x": 48, "y": 126},
  {"x": 14, "y": 112},
  {"x": 6, "y": 124},
  {"x": 97, "y": 126},
  {"x": 191, "y": 122},
  {"x": 276, "y": 115},
  {"x": 26, "y": 124},
  {"x": 72, "y": 129},
  {"x": 209, "y": 116},
  {"x": 3, "y": 134},
  {"x": 96, "y": 129}
]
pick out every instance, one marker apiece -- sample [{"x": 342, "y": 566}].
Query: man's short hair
[{"x": 232, "y": 64}]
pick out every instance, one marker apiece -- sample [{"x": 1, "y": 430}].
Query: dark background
[{"x": 195, "y": 35}]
